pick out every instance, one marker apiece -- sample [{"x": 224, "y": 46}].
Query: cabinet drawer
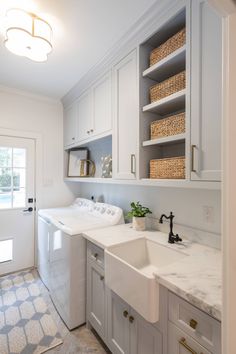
[
  {"x": 95, "y": 254},
  {"x": 180, "y": 343},
  {"x": 194, "y": 322}
]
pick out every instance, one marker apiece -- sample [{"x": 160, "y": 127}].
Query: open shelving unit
[{"x": 174, "y": 63}]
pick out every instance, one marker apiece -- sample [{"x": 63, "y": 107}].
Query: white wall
[
  {"x": 186, "y": 204},
  {"x": 19, "y": 111}
]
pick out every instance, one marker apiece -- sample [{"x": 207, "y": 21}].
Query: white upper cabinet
[
  {"x": 206, "y": 92},
  {"x": 94, "y": 118},
  {"x": 69, "y": 125},
  {"x": 101, "y": 95},
  {"x": 126, "y": 117},
  {"x": 84, "y": 116}
]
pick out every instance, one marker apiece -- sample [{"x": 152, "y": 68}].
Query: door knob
[{"x": 29, "y": 210}]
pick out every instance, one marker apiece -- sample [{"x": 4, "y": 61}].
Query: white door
[
  {"x": 17, "y": 196},
  {"x": 101, "y": 92},
  {"x": 84, "y": 116},
  {"x": 126, "y": 117},
  {"x": 69, "y": 125},
  {"x": 206, "y": 91}
]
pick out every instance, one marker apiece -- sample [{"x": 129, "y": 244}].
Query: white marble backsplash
[{"x": 193, "y": 234}]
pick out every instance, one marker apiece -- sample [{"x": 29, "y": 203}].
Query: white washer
[{"x": 62, "y": 252}]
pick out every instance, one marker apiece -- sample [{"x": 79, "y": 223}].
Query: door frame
[{"x": 38, "y": 179}]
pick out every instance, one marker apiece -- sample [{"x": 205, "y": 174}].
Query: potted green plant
[{"x": 138, "y": 214}]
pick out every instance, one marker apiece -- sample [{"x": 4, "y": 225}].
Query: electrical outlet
[{"x": 208, "y": 214}]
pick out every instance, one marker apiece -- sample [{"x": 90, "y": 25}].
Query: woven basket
[
  {"x": 165, "y": 49},
  {"x": 172, "y": 125},
  {"x": 169, "y": 168},
  {"x": 166, "y": 88}
]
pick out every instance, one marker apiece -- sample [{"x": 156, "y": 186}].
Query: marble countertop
[{"x": 196, "y": 277}]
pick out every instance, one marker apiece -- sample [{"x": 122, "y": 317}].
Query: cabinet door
[
  {"x": 206, "y": 92},
  {"x": 96, "y": 298},
  {"x": 117, "y": 324},
  {"x": 69, "y": 125},
  {"x": 84, "y": 116},
  {"x": 180, "y": 343},
  {"x": 101, "y": 93},
  {"x": 126, "y": 117},
  {"x": 144, "y": 338}
]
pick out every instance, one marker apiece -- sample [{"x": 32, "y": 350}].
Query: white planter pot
[{"x": 139, "y": 223}]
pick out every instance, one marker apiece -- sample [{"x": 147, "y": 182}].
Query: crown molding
[
  {"x": 148, "y": 24},
  {"x": 32, "y": 96},
  {"x": 225, "y": 7}
]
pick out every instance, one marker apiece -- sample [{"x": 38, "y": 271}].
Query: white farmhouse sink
[{"x": 129, "y": 269}]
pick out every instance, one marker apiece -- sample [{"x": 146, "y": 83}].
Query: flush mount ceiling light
[{"x": 28, "y": 35}]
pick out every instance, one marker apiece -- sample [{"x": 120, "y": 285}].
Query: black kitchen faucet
[{"x": 172, "y": 237}]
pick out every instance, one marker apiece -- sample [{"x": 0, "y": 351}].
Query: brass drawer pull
[
  {"x": 125, "y": 314},
  {"x": 131, "y": 319},
  {"x": 192, "y": 158},
  {"x": 183, "y": 342},
  {"x": 193, "y": 324},
  {"x": 133, "y": 163}
]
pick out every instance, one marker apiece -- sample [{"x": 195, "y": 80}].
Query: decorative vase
[{"x": 139, "y": 223}]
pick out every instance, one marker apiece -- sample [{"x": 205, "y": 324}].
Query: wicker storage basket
[
  {"x": 166, "y": 88},
  {"x": 169, "y": 168},
  {"x": 172, "y": 125},
  {"x": 165, "y": 49}
]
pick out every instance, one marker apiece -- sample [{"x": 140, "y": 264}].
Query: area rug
[{"x": 26, "y": 325}]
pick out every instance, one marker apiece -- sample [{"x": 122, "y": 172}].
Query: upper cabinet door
[
  {"x": 84, "y": 116},
  {"x": 126, "y": 117},
  {"x": 101, "y": 93},
  {"x": 206, "y": 92},
  {"x": 69, "y": 125}
]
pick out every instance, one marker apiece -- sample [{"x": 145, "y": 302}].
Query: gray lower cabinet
[
  {"x": 144, "y": 337},
  {"x": 181, "y": 343},
  {"x": 96, "y": 299},
  {"x": 118, "y": 324},
  {"x": 128, "y": 332},
  {"x": 182, "y": 328}
]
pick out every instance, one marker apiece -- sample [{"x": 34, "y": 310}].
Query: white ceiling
[{"x": 83, "y": 31}]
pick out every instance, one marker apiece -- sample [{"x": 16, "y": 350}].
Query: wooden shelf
[
  {"x": 168, "y": 104},
  {"x": 171, "y": 65},
  {"x": 165, "y": 140},
  {"x": 174, "y": 183}
]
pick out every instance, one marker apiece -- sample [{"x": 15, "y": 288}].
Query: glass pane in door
[
  {"x": 5, "y": 188},
  {"x": 19, "y": 197}
]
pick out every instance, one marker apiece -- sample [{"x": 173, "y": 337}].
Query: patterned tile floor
[{"x": 78, "y": 341}]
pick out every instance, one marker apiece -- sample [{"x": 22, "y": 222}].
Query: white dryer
[{"x": 62, "y": 252}]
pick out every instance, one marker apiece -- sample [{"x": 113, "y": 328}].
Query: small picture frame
[{"x": 77, "y": 167}]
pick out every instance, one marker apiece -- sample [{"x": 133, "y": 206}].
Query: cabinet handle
[
  {"x": 73, "y": 138},
  {"x": 131, "y": 319},
  {"x": 183, "y": 342},
  {"x": 132, "y": 157},
  {"x": 125, "y": 314},
  {"x": 88, "y": 131},
  {"x": 192, "y": 158},
  {"x": 193, "y": 324},
  {"x": 95, "y": 256},
  {"x": 91, "y": 130},
  {"x": 101, "y": 277}
]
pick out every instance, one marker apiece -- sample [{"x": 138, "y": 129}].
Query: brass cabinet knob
[
  {"x": 95, "y": 255},
  {"x": 125, "y": 314},
  {"x": 131, "y": 319},
  {"x": 193, "y": 324},
  {"x": 101, "y": 277}
]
